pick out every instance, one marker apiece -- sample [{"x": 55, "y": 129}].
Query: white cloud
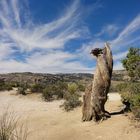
[
  {"x": 13, "y": 66},
  {"x": 126, "y": 36},
  {"x": 45, "y": 63},
  {"x": 123, "y": 41},
  {"x": 49, "y": 38},
  {"x": 16, "y": 12},
  {"x": 110, "y": 30},
  {"x": 120, "y": 55},
  {"x": 50, "y": 35}
]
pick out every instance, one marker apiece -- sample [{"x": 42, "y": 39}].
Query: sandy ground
[{"x": 47, "y": 121}]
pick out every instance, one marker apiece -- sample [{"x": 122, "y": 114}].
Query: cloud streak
[
  {"x": 109, "y": 30},
  {"x": 50, "y": 35},
  {"x": 127, "y": 35},
  {"x": 27, "y": 46},
  {"x": 41, "y": 44},
  {"x": 120, "y": 44}
]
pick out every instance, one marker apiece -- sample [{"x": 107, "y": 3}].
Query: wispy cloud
[
  {"x": 127, "y": 37},
  {"x": 58, "y": 62},
  {"x": 41, "y": 44},
  {"x": 128, "y": 34},
  {"x": 109, "y": 30},
  {"x": 50, "y": 35}
]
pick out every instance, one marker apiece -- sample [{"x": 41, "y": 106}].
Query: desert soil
[{"x": 46, "y": 121}]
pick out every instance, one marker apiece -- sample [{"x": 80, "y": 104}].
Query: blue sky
[{"x": 56, "y": 36}]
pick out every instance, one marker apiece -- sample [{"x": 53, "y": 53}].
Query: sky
[{"x": 56, "y": 36}]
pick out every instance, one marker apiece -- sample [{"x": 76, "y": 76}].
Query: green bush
[
  {"x": 130, "y": 93},
  {"x": 4, "y": 86},
  {"x": 132, "y": 63},
  {"x": 122, "y": 87},
  {"x": 48, "y": 93},
  {"x": 72, "y": 88},
  {"x": 81, "y": 87},
  {"x": 37, "y": 88},
  {"x": 14, "y": 84},
  {"x": 71, "y": 102},
  {"x": 61, "y": 90},
  {"x": 71, "y": 97},
  {"x": 8, "y": 87},
  {"x": 55, "y": 91},
  {"x": 134, "y": 88},
  {"x": 21, "y": 90}
]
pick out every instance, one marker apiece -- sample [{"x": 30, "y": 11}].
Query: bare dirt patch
[{"x": 47, "y": 121}]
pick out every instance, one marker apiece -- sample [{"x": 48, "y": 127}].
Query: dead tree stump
[{"x": 96, "y": 94}]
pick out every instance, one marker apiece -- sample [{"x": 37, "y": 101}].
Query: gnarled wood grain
[{"x": 96, "y": 94}]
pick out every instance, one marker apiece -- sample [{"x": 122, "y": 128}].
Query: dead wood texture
[{"x": 96, "y": 93}]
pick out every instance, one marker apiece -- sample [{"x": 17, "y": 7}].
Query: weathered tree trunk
[{"x": 96, "y": 94}]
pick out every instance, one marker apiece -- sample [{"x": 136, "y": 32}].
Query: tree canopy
[{"x": 132, "y": 63}]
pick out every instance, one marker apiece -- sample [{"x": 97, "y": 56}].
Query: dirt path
[{"x": 49, "y": 122}]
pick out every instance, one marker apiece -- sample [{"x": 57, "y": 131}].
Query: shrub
[
  {"x": 71, "y": 102},
  {"x": 55, "y": 91},
  {"x": 71, "y": 98},
  {"x": 72, "y": 88},
  {"x": 14, "y": 84},
  {"x": 121, "y": 87},
  {"x": 21, "y": 90},
  {"x": 8, "y": 87},
  {"x": 5, "y": 86},
  {"x": 114, "y": 87},
  {"x": 81, "y": 87},
  {"x": 61, "y": 90},
  {"x": 130, "y": 94},
  {"x": 37, "y": 88},
  {"x": 48, "y": 93}
]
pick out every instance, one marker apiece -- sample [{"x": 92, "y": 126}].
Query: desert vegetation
[
  {"x": 10, "y": 129},
  {"x": 4, "y": 86},
  {"x": 61, "y": 90},
  {"x": 130, "y": 94},
  {"x": 130, "y": 90},
  {"x": 71, "y": 97}
]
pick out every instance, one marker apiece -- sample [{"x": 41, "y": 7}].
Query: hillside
[{"x": 32, "y": 78}]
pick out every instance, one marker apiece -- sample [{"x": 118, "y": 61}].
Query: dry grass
[{"x": 10, "y": 128}]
